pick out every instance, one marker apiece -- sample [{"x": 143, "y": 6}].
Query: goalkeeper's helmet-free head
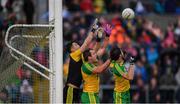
[{"x": 73, "y": 44}]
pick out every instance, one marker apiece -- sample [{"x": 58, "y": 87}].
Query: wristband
[
  {"x": 93, "y": 30},
  {"x": 98, "y": 39}
]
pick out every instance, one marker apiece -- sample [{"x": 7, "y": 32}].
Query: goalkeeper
[
  {"x": 74, "y": 78},
  {"x": 121, "y": 75}
]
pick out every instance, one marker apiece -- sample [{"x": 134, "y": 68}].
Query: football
[{"x": 128, "y": 13}]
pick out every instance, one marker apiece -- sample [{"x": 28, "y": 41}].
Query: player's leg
[
  {"x": 65, "y": 93},
  {"x": 89, "y": 98},
  {"x": 97, "y": 98},
  {"x": 76, "y": 94},
  {"x": 68, "y": 94},
  {"x": 125, "y": 96},
  {"x": 117, "y": 98}
]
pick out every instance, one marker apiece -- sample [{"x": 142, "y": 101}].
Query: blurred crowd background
[{"x": 153, "y": 37}]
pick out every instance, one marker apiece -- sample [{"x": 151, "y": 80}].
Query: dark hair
[
  {"x": 86, "y": 54},
  {"x": 69, "y": 45},
  {"x": 114, "y": 53}
]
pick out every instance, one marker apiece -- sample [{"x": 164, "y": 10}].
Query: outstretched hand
[{"x": 107, "y": 29}]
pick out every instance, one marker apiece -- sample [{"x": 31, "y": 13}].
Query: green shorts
[
  {"x": 88, "y": 97},
  {"x": 121, "y": 97}
]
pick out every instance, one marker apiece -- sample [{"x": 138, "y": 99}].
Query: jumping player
[
  {"x": 90, "y": 72},
  {"x": 74, "y": 78},
  {"x": 121, "y": 75}
]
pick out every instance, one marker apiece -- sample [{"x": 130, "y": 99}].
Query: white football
[{"x": 128, "y": 13}]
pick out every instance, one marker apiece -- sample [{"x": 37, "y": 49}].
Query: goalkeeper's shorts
[
  {"x": 121, "y": 97},
  {"x": 71, "y": 95},
  {"x": 89, "y": 97}
]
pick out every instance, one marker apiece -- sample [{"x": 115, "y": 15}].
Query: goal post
[{"x": 55, "y": 14}]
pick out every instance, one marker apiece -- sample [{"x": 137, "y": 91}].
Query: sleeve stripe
[
  {"x": 116, "y": 72},
  {"x": 76, "y": 56},
  {"x": 85, "y": 70},
  {"x": 119, "y": 69},
  {"x": 88, "y": 66}
]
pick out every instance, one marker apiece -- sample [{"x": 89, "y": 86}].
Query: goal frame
[{"x": 55, "y": 51}]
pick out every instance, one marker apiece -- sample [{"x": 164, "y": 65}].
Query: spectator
[
  {"x": 141, "y": 90},
  {"x": 169, "y": 40},
  {"x": 4, "y": 96},
  {"x": 28, "y": 76},
  {"x": 99, "y": 6},
  {"x": 115, "y": 6},
  {"x": 29, "y": 10},
  {"x": 154, "y": 95},
  {"x": 73, "y": 5},
  {"x": 152, "y": 55},
  {"x": 9, "y": 5},
  {"x": 140, "y": 70},
  {"x": 167, "y": 78},
  {"x": 159, "y": 6},
  {"x": 14, "y": 93},
  {"x": 17, "y": 9},
  {"x": 140, "y": 8},
  {"x": 86, "y": 5},
  {"x": 26, "y": 93}
]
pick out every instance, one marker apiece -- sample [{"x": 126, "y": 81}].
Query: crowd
[
  {"x": 20, "y": 90},
  {"x": 155, "y": 49},
  {"x": 14, "y": 12},
  {"x": 112, "y": 6}
]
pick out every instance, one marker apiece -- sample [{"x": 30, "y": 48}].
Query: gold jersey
[
  {"x": 90, "y": 80},
  {"x": 121, "y": 84}
]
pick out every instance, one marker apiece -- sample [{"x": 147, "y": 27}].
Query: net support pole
[
  {"x": 51, "y": 52},
  {"x": 58, "y": 52}
]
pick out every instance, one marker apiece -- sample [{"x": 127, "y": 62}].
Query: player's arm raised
[
  {"x": 98, "y": 36},
  {"x": 89, "y": 37},
  {"x": 102, "y": 67},
  {"x": 107, "y": 30},
  {"x": 130, "y": 74}
]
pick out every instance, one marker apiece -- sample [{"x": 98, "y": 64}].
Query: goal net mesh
[{"x": 18, "y": 82}]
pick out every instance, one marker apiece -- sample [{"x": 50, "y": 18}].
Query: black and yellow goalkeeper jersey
[{"x": 74, "y": 74}]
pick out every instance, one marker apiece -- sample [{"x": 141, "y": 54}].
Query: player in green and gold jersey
[
  {"x": 90, "y": 76},
  {"x": 90, "y": 71},
  {"x": 71, "y": 89},
  {"x": 121, "y": 75}
]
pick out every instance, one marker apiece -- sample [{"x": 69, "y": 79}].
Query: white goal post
[{"x": 55, "y": 14}]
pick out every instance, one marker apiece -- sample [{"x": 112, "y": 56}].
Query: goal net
[{"x": 24, "y": 64}]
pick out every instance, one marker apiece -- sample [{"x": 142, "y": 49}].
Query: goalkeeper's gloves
[
  {"x": 95, "y": 26},
  {"x": 131, "y": 60},
  {"x": 107, "y": 29},
  {"x": 99, "y": 34}
]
